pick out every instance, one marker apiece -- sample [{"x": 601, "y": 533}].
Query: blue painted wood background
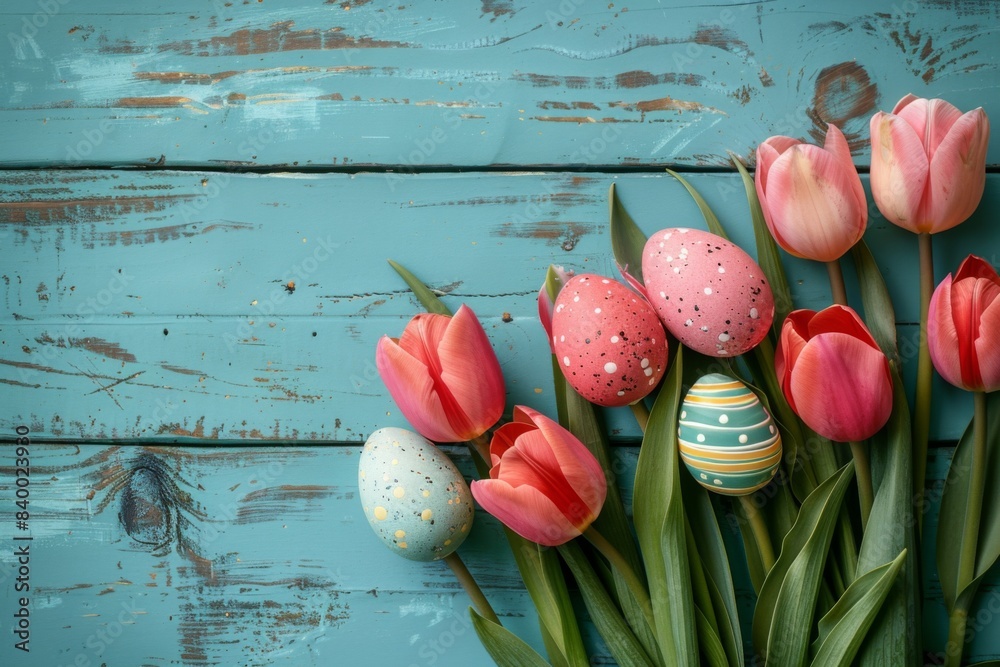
[{"x": 168, "y": 169}]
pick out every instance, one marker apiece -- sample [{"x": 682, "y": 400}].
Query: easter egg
[
  {"x": 727, "y": 439},
  {"x": 609, "y": 343},
  {"x": 413, "y": 496},
  {"x": 710, "y": 294}
]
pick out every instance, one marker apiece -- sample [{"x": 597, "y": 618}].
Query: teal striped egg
[{"x": 728, "y": 440}]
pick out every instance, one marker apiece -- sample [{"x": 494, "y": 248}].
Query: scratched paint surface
[
  {"x": 157, "y": 555},
  {"x": 144, "y": 308},
  {"x": 171, "y": 305},
  {"x": 497, "y": 82}
]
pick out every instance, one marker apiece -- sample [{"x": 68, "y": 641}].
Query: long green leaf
[
  {"x": 711, "y": 549},
  {"x": 612, "y": 522},
  {"x": 843, "y": 628},
  {"x": 424, "y": 295},
  {"x": 879, "y": 314},
  {"x": 621, "y": 641},
  {"x": 767, "y": 251},
  {"x": 506, "y": 648},
  {"x": 894, "y": 639},
  {"x": 659, "y": 521},
  {"x": 711, "y": 648},
  {"x": 787, "y": 601},
  {"x": 953, "y": 505},
  {"x": 711, "y": 220},
  {"x": 627, "y": 240}
]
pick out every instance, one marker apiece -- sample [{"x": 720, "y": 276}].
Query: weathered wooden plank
[
  {"x": 152, "y": 305},
  {"x": 348, "y": 83},
  {"x": 239, "y": 556}
]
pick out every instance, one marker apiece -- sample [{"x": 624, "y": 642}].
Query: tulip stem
[
  {"x": 641, "y": 413},
  {"x": 759, "y": 529},
  {"x": 837, "y": 287},
  {"x": 471, "y": 587},
  {"x": 922, "y": 401},
  {"x": 977, "y": 485},
  {"x": 621, "y": 565},
  {"x": 864, "y": 475},
  {"x": 955, "y": 647}
]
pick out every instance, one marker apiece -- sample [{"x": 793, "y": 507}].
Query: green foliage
[{"x": 506, "y": 648}]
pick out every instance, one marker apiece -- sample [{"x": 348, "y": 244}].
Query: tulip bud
[
  {"x": 545, "y": 485},
  {"x": 812, "y": 198},
  {"x": 928, "y": 166},
  {"x": 833, "y": 373},
  {"x": 963, "y": 327},
  {"x": 444, "y": 376}
]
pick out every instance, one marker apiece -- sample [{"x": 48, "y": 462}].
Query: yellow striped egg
[{"x": 727, "y": 439}]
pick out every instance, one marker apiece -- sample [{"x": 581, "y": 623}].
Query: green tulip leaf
[
  {"x": 659, "y": 521},
  {"x": 708, "y": 640},
  {"x": 767, "y": 251},
  {"x": 627, "y": 240},
  {"x": 843, "y": 628},
  {"x": 546, "y": 584},
  {"x": 621, "y": 641},
  {"x": 506, "y": 648},
  {"x": 782, "y": 621},
  {"x": 427, "y": 298},
  {"x": 612, "y": 522},
  {"x": 711, "y": 220},
  {"x": 894, "y": 638},
  {"x": 879, "y": 314},
  {"x": 953, "y": 506},
  {"x": 714, "y": 560}
]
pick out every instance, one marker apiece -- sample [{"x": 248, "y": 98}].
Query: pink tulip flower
[
  {"x": 833, "y": 373},
  {"x": 545, "y": 485},
  {"x": 444, "y": 376},
  {"x": 928, "y": 163},
  {"x": 812, "y": 197},
  {"x": 963, "y": 327}
]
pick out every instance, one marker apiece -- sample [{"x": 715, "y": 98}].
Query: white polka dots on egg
[{"x": 602, "y": 334}]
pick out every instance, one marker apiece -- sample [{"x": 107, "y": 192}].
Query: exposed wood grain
[
  {"x": 297, "y": 84},
  {"x": 255, "y": 317}
]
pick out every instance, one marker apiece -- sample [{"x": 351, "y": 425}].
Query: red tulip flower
[
  {"x": 811, "y": 197},
  {"x": 444, "y": 376},
  {"x": 963, "y": 327},
  {"x": 928, "y": 163},
  {"x": 545, "y": 485},
  {"x": 833, "y": 373}
]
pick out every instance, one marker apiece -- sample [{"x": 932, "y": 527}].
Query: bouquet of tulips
[{"x": 743, "y": 401}]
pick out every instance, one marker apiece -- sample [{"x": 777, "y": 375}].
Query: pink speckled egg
[
  {"x": 709, "y": 293},
  {"x": 609, "y": 342}
]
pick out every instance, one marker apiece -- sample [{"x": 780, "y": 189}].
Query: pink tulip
[
  {"x": 444, "y": 376},
  {"x": 928, "y": 163},
  {"x": 833, "y": 373},
  {"x": 812, "y": 197},
  {"x": 963, "y": 327},
  {"x": 545, "y": 485}
]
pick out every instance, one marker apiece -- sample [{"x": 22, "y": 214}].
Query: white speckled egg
[
  {"x": 610, "y": 344},
  {"x": 726, "y": 438},
  {"x": 709, "y": 293},
  {"x": 413, "y": 496}
]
